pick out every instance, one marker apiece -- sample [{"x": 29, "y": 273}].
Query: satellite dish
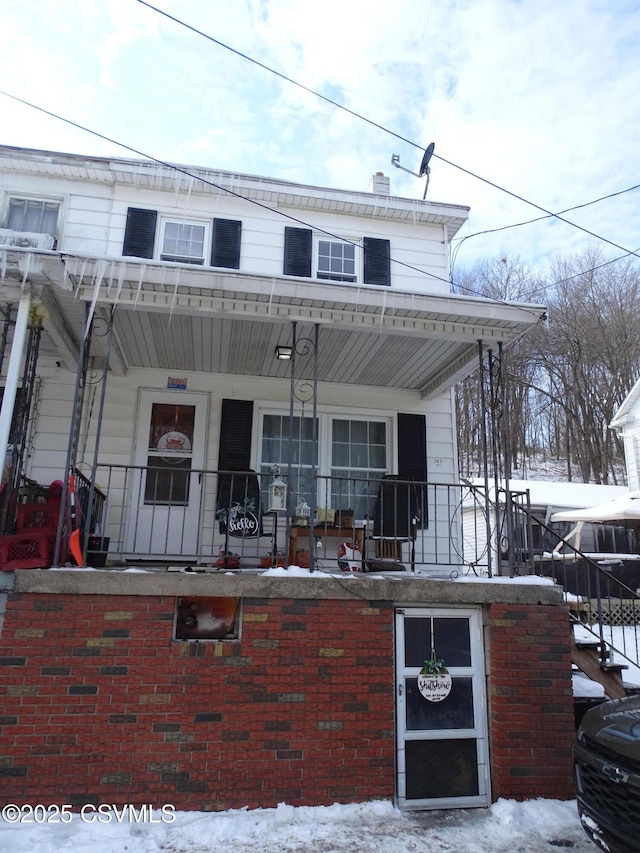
[
  {"x": 424, "y": 165},
  {"x": 428, "y": 154}
]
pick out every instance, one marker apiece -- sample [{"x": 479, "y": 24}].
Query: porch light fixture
[{"x": 284, "y": 353}]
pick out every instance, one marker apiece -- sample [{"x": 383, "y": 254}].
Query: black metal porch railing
[
  {"x": 169, "y": 516},
  {"x": 601, "y": 593}
]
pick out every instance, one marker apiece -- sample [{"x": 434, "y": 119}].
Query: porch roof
[{"x": 185, "y": 318}]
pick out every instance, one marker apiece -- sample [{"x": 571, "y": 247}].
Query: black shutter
[
  {"x": 235, "y": 435},
  {"x": 139, "y": 233},
  {"x": 412, "y": 456},
  {"x": 377, "y": 261},
  {"x": 235, "y": 455},
  {"x": 225, "y": 250},
  {"x": 298, "y": 243}
]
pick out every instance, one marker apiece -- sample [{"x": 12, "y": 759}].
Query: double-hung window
[
  {"x": 336, "y": 260},
  {"x": 34, "y": 216},
  {"x": 316, "y": 255},
  {"x": 183, "y": 241},
  {"x": 352, "y": 455}
]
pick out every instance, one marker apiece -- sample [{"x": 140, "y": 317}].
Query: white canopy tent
[{"x": 624, "y": 508}]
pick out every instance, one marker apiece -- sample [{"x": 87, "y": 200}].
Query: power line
[
  {"x": 248, "y": 58},
  {"x": 224, "y": 189}
]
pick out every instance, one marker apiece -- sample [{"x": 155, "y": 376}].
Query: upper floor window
[
  {"x": 336, "y": 261},
  {"x": 183, "y": 242},
  {"x": 215, "y": 242},
  {"x": 33, "y": 215}
]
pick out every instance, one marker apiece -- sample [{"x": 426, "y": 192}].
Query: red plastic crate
[
  {"x": 32, "y": 549},
  {"x": 38, "y": 516}
]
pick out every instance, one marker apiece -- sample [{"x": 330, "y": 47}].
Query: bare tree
[{"x": 566, "y": 378}]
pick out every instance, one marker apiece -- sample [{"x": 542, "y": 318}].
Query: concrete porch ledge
[{"x": 401, "y": 591}]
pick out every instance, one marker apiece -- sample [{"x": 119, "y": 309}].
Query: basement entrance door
[
  {"x": 442, "y": 745},
  {"x": 166, "y": 493}
]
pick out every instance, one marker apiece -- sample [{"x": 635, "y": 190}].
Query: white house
[
  {"x": 626, "y": 423},
  {"x": 145, "y": 305}
]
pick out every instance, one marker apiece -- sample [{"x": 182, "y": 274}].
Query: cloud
[{"x": 537, "y": 98}]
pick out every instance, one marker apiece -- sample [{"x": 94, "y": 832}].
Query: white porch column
[{"x": 13, "y": 370}]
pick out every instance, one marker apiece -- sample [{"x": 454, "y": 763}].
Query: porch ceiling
[{"x": 191, "y": 319}]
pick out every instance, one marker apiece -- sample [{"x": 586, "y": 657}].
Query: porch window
[
  {"x": 352, "y": 452},
  {"x": 33, "y": 215},
  {"x": 358, "y": 461},
  {"x": 277, "y": 449},
  {"x": 183, "y": 242}
]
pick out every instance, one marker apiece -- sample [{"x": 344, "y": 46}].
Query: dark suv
[{"x": 607, "y": 775}]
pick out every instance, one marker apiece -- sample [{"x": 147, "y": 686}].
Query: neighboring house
[
  {"x": 145, "y": 306},
  {"x": 541, "y": 498},
  {"x": 204, "y": 274},
  {"x": 626, "y": 422}
]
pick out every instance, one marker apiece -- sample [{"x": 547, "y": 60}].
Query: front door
[
  {"x": 442, "y": 742},
  {"x": 166, "y": 488}
]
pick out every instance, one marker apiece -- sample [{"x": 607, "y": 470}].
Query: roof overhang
[{"x": 194, "y": 319}]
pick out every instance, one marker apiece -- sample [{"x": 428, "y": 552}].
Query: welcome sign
[{"x": 242, "y": 523}]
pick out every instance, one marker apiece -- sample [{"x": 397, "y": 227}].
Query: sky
[
  {"x": 536, "y": 826},
  {"x": 528, "y": 98}
]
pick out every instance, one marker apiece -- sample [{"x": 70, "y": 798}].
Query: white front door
[
  {"x": 166, "y": 488},
  {"x": 442, "y": 743}
]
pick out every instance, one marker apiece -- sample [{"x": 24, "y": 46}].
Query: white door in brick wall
[
  {"x": 442, "y": 743},
  {"x": 166, "y": 489}
]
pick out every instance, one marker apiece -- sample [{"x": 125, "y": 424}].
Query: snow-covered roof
[{"x": 563, "y": 495}]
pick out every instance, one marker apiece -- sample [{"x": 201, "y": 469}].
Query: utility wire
[
  {"x": 224, "y": 189},
  {"x": 245, "y": 56}
]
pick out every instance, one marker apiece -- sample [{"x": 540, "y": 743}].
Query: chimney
[{"x": 380, "y": 184}]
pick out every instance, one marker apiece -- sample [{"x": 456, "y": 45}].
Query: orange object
[{"x": 74, "y": 538}]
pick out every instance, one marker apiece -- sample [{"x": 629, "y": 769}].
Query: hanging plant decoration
[{"x": 434, "y": 681}]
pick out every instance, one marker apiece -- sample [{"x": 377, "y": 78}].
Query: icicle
[
  {"x": 24, "y": 264},
  {"x": 384, "y": 308},
  {"x": 273, "y": 284},
  {"x": 98, "y": 276},
  {"x": 122, "y": 269},
  {"x": 178, "y": 272},
  {"x": 141, "y": 274}
]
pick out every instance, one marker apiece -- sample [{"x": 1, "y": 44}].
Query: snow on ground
[{"x": 506, "y": 827}]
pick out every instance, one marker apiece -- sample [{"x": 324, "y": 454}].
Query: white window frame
[
  {"x": 325, "y": 417},
  {"x": 168, "y": 257},
  {"x": 40, "y": 199},
  {"x": 338, "y": 276}
]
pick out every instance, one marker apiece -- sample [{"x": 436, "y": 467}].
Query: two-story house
[
  {"x": 167, "y": 297},
  {"x": 197, "y": 361}
]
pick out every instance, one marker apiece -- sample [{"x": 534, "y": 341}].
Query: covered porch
[{"x": 148, "y": 328}]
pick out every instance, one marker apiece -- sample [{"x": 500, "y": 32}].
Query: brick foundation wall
[
  {"x": 100, "y": 704},
  {"x": 531, "y": 719}
]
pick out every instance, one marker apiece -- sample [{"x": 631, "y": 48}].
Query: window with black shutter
[
  {"x": 140, "y": 233},
  {"x": 225, "y": 250},
  {"x": 298, "y": 247},
  {"x": 377, "y": 261}
]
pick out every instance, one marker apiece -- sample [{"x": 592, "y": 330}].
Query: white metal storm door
[
  {"x": 166, "y": 490},
  {"x": 442, "y": 742}
]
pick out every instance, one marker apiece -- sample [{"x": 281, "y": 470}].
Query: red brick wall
[
  {"x": 98, "y": 703},
  {"x": 531, "y": 716}
]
